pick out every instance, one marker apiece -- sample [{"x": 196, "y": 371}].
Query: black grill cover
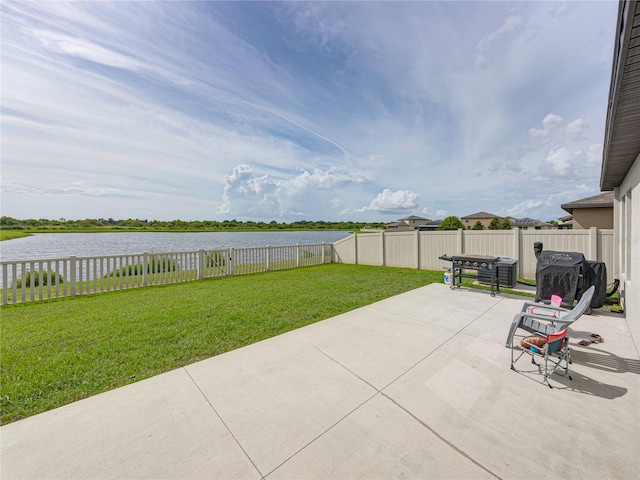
[
  {"x": 596, "y": 274},
  {"x": 558, "y": 273}
]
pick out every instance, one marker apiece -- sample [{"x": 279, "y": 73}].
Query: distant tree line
[{"x": 172, "y": 225}]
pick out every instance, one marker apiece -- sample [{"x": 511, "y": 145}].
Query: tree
[
  {"x": 451, "y": 223},
  {"x": 478, "y": 226},
  {"x": 8, "y": 221},
  {"x": 505, "y": 224},
  {"x": 495, "y": 224}
]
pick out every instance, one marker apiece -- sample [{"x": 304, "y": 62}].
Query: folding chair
[
  {"x": 553, "y": 348},
  {"x": 539, "y": 317}
]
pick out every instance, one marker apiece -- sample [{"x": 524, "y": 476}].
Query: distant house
[
  {"x": 565, "y": 223},
  {"x": 529, "y": 224},
  {"x": 413, "y": 221},
  {"x": 522, "y": 223},
  {"x": 594, "y": 211},
  {"x": 620, "y": 172},
  {"x": 410, "y": 223},
  {"x": 430, "y": 226},
  {"x": 483, "y": 217},
  {"x": 399, "y": 227}
]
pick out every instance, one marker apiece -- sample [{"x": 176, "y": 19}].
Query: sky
[{"x": 334, "y": 111}]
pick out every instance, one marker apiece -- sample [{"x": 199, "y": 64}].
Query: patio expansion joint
[
  {"x": 224, "y": 423},
  {"x": 401, "y": 407},
  {"x": 421, "y": 422},
  {"x": 340, "y": 420},
  {"x": 440, "y": 437}
]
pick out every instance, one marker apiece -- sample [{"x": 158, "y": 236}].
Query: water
[{"x": 63, "y": 245}]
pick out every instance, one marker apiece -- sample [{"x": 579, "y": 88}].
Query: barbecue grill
[
  {"x": 568, "y": 275},
  {"x": 480, "y": 263}
]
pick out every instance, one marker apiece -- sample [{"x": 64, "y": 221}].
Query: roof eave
[{"x": 621, "y": 145}]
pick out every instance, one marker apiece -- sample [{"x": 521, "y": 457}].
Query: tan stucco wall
[
  {"x": 592, "y": 217},
  {"x": 627, "y": 246}
]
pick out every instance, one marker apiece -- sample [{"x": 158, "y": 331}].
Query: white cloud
[
  {"x": 594, "y": 154},
  {"x": 442, "y": 213},
  {"x": 392, "y": 201},
  {"x": 559, "y": 160},
  {"x": 577, "y": 127},
  {"x": 336, "y": 204},
  {"x": 523, "y": 208},
  {"x": 332, "y": 178},
  {"x": 549, "y": 123},
  {"x": 245, "y": 193},
  {"x": 86, "y": 50},
  {"x": 248, "y": 194},
  {"x": 510, "y": 24}
]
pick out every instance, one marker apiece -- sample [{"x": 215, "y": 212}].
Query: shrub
[
  {"x": 216, "y": 259},
  {"x": 154, "y": 265},
  {"x": 47, "y": 278}
]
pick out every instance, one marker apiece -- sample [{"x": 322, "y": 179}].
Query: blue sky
[{"x": 364, "y": 111}]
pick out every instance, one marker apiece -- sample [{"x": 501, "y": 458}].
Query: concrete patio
[{"x": 415, "y": 386}]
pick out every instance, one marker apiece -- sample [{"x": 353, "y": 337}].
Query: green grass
[
  {"x": 9, "y": 234},
  {"x": 60, "y": 351}
]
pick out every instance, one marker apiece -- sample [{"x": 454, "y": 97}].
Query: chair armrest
[
  {"x": 543, "y": 305},
  {"x": 541, "y": 317}
]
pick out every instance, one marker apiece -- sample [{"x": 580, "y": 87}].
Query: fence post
[
  {"x": 230, "y": 262},
  {"x": 593, "y": 243},
  {"x": 145, "y": 265},
  {"x": 202, "y": 264},
  {"x": 516, "y": 245},
  {"x": 417, "y": 249},
  {"x": 461, "y": 240},
  {"x": 382, "y": 246},
  {"x": 323, "y": 248},
  {"x": 297, "y": 255},
  {"x": 268, "y": 257},
  {"x": 355, "y": 247},
  {"x": 72, "y": 276},
  {"x": 5, "y": 284}
]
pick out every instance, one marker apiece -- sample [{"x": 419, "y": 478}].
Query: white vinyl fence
[
  {"x": 421, "y": 249},
  {"x": 31, "y": 280}
]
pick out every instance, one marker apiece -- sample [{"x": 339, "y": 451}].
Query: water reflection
[{"x": 63, "y": 245}]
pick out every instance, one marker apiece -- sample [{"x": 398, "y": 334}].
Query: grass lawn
[
  {"x": 9, "y": 234},
  {"x": 59, "y": 351}
]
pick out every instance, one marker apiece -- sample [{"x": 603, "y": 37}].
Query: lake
[{"x": 63, "y": 245}]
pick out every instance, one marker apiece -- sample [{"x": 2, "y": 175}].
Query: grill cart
[{"x": 480, "y": 263}]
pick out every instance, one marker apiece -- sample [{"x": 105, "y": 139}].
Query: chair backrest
[
  {"x": 554, "y": 341},
  {"x": 581, "y": 306}
]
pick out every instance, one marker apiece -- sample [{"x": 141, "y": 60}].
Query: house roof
[
  {"x": 601, "y": 200},
  {"x": 566, "y": 218},
  {"x": 622, "y": 139},
  {"x": 413, "y": 217},
  {"x": 481, "y": 215},
  {"x": 528, "y": 222},
  {"x": 397, "y": 224}
]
